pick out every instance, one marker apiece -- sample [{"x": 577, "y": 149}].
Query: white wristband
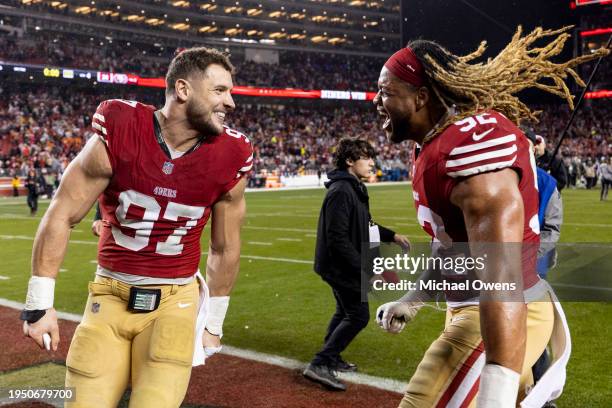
[
  {"x": 498, "y": 387},
  {"x": 40, "y": 293},
  {"x": 216, "y": 314}
]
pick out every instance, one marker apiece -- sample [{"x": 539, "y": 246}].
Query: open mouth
[{"x": 387, "y": 123}]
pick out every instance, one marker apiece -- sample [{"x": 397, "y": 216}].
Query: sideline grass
[{"x": 283, "y": 307}]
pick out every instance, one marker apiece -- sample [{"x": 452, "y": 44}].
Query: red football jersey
[
  {"x": 478, "y": 144},
  {"x": 157, "y": 206}
]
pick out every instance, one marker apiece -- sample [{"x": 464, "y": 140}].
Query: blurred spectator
[
  {"x": 605, "y": 171},
  {"x": 590, "y": 173},
  {"x": 15, "y": 183},
  {"x": 34, "y": 186},
  {"x": 556, "y": 167},
  {"x": 44, "y": 127}
]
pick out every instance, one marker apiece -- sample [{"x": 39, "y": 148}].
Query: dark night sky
[{"x": 460, "y": 28}]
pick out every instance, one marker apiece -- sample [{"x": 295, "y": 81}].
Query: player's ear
[
  {"x": 182, "y": 90},
  {"x": 422, "y": 98}
]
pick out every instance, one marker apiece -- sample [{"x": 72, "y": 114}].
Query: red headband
[{"x": 405, "y": 65}]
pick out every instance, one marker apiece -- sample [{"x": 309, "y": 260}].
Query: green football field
[{"x": 279, "y": 306}]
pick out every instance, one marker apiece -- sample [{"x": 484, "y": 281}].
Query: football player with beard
[
  {"x": 475, "y": 182},
  {"x": 160, "y": 175}
]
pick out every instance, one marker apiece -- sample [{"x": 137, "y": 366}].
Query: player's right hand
[
  {"x": 96, "y": 227},
  {"x": 393, "y": 316},
  {"x": 47, "y": 324},
  {"x": 211, "y": 343}
]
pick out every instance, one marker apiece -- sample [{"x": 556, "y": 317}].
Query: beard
[
  {"x": 202, "y": 120},
  {"x": 398, "y": 129}
]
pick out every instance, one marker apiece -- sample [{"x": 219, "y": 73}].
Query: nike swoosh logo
[
  {"x": 183, "y": 305},
  {"x": 477, "y": 136}
]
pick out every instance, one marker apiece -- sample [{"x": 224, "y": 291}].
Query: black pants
[
  {"x": 605, "y": 185},
  {"x": 590, "y": 182},
  {"x": 351, "y": 316},
  {"x": 33, "y": 202}
]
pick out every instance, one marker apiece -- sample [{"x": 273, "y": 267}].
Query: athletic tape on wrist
[
  {"x": 498, "y": 387},
  {"x": 216, "y": 314},
  {"x": 40, "y": 293},
  {"x": 210, "y": 351}
]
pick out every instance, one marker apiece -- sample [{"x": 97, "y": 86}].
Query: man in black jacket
[
  {"x": 557, "y": 167},
  {"x": 345, "y": 227}
]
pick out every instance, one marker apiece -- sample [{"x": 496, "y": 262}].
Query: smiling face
[{"x": 210, "y": 100}]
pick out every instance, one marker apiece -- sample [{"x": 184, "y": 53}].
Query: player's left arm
[
  {"x": 223, "y": 258},
  {"x": 493, "y": 210}
]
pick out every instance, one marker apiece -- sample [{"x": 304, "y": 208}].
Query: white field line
[
  {"x": 251, "y": 206},
  {"x": 9, "y": 216},
  {"x": 71, "y": 317},
  {"x": 279, "y": 229},
  {"x": 386, "y": 384},
  {"x": 19, "y": 201},
  {"x": 578, "y": 224},
  {"x": 286, "y": 214},
  {"x": 26, "y": 238},
  {"x": 369, "y": 185},
  {"x": 76, "y": 241},
  {"x": 4, "y": 277},
  {"x": 259, "y": 243},
  {"x": 289, "y": 239},
  {"x": 259, "y": 258},
  {"x": 569, "y": 285},
  {"x": 271, "y": 258},
  {"x": 23, "y": 237}
]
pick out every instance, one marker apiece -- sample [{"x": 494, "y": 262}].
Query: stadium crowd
[
  {"x": 45, "y": 129},
  {"x": 305, "y": 71}
]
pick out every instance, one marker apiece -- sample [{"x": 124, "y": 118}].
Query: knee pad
[
  {"x": 85, "y": 356},
  {"x": 172, "y": 340}
]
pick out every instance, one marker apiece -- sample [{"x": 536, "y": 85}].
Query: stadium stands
[
  {"x": 45, "y": 129},
  {"x": 309, "y": 71},
  {"x": 42, "y": 129}
]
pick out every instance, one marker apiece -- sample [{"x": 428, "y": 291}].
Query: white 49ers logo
[{"x": 143, "y": 228}]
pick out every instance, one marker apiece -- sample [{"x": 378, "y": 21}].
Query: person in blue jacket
[{"x": 550, "y": 215}]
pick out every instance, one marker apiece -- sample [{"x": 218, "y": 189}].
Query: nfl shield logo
[{"x": 167, "y": 168}]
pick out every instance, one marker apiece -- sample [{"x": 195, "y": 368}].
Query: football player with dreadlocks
[{"x": 475, "y": 182}]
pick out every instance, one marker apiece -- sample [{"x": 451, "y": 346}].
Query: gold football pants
[
  {"x": 449, "y": 374},
  {"x": 113, "y": 346}
]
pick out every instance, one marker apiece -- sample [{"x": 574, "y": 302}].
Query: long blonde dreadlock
[{"x": 493, "y": 84}]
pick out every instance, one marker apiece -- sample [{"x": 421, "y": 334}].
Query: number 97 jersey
[{"x": 157, "y": 207}]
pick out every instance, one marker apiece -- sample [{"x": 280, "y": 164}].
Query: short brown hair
[
  {"x": 194, "y": 60},
  {"x": 352, "y": 149}
]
